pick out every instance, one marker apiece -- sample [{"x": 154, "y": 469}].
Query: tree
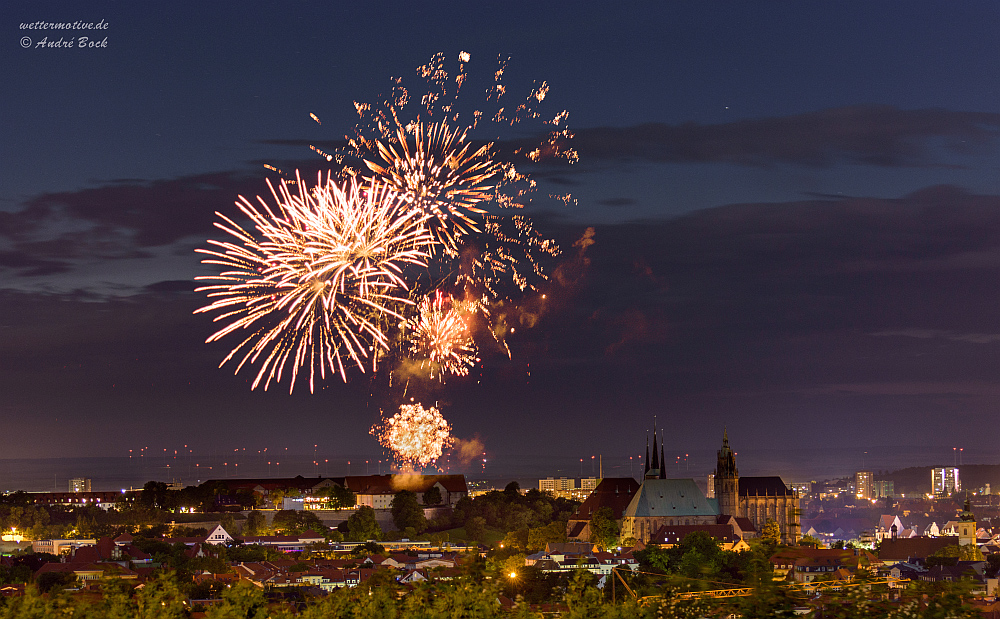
[
  {"x": 56, "y": 581},
  {"x": 334, "y": 536},
  {"x": 368, "y": 548},
  {"x": 512, "y": 490},
  {"x": 653, "y": 559},
  {"x": 603, "y": 528},
  {"x": 242, "y": 600},
  {"x": 475, "y": 528},
  {"x": 809, "y": 540},
  {"x": 771, "y": 531},
  {"x": 362, "y": 526},
  {"x": 284, "y": 521},
  {"x": 342, "y": 498},
  {"x": 432, "y": 496},
  {"x": 256, "y": 524},
  {"x": 228, "y": 522},
  {"x": 950, "y": 555},
  {"x": 407, "y": 513},
  {"x": 538, "y": 537},
  {"x": 161, "y": 598},
  {"x": 156, "y": 494}
]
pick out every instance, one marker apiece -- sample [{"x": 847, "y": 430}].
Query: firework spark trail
[
  {"x": 415, "y": 435},
  {"x": 440, "y": 336},
  {"x": 317, "y": 283},
  {"x": 430, "y": 162},
  {"x": 438, "y": 175},
  {"x": 318, "y": 280},
  {"x": 398, "y": 114}
]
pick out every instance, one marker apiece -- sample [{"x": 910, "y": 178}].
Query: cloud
[
  {"x": 118, "y": 220},
  {"x": 871, "y": 135},
  {"x": 908, "y": 389},
  {"x": 926, "y": 334},
  {"x": 616, "y": 202}
]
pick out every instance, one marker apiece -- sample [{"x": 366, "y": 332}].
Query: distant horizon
[{"x": 112, "y": 473}]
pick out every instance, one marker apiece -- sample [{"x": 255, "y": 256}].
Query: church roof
[
  {"x": 669, "y": 497},
  {"x": 612, "y": 492},
  {"x": 763, "y": 486},
  {"x": 675, "y": 534},
  {"x": 913, "y": 548}
]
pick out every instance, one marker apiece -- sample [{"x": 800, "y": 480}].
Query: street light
[{"x": 513, "y": 582}]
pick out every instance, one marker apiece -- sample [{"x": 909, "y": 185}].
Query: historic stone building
[
  {"x": 757, "y": 498},
  {"x": 662, "y": 502},
  {"x": 679, "y": 502}
]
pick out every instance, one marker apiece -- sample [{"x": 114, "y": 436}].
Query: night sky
[{"x": 795, "y": 212}]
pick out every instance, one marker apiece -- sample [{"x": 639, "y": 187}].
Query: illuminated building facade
[
  {"x": 758, "y": 498},
  {"x": 79, "y": 484},
  {"x": 945, "y": 481},
  {"x": 884, "y": 488},
  {"x": 864, "y": 485}
]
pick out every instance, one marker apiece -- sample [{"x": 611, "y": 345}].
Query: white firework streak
[{"x": 324, "y": 275}]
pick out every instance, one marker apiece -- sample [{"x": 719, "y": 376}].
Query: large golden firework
[
  {"x": 416, "y": 435},
  {"x": 317, "y": 282},
  {"x": 440, "y": 338},
  {"x": 437, "y": 171}
]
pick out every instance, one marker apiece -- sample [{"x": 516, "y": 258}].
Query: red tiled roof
[
  {"x": 913, "y": 547},
  {"x": 675, "y": 534},
  {"x": 612, "y": 492}
]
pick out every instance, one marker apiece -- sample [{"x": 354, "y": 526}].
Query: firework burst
[
  {"x": 440, "y": 336},
  {"x": 316, "y": 283},
  {"x": 416, "y": 435},
  {"x": 439, "y": 174}
]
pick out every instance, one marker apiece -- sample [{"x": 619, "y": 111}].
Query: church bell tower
[{"x": 727, "y": 479}]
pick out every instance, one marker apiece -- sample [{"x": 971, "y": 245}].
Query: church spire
[
  {"x": 663, "y": 461},
  {"x": 655, "y": 465},
  {"x": 647, "y": 453},
  {"x": 726, "y": 466}
]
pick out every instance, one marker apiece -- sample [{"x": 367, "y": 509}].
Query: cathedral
[
  {"x": 672, "y": 502},
  {"x": 758, "y": 499}
]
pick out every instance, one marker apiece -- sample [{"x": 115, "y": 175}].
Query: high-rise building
[
  {"x": 884, "y": 488},
  {"x": 711, "y": 486},
  {"x": 864, "y": 485},
  {"x": 79, "y": 484},
  {"x": 945, "y": 481},
  {"x": 562, "y": 487}
]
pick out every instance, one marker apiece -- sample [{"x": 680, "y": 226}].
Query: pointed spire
[
  {"x": 656, "y": 465},
  {"x": 663, "y": 461},
  {"x": 647, "y": 452}
]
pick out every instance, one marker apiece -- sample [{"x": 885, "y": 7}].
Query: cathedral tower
[
  {"x": 967, "y": 525},
  {"x": 727, "y": 479}
]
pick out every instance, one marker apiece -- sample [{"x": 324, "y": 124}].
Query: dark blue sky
[{"x": 796, "y": 211}]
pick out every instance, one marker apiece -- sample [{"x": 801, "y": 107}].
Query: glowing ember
[
  {"x": 314, "y": 286},
  {"x": 440, "y": 336},
  {"x": 415, "y": 435}
]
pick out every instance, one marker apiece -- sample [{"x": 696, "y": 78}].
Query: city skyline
[{"x": 795, "y": 214}]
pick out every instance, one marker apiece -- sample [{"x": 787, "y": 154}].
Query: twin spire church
[
  {"x": 658, "y": 469},
  {"x": 672, "y": 502}
]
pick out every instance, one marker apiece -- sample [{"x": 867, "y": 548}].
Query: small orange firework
[
  {"x": 416, "y": 435},
  {"x": 440, "y": 336},
  {"x": 317, "y": 282}
]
